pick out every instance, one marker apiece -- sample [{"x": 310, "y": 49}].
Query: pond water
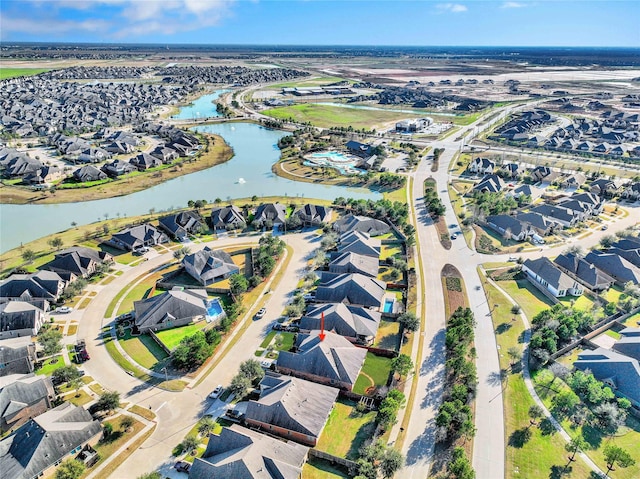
[
  {"x": 248, "y": 173},
  {"x": 203, "y": 107}
]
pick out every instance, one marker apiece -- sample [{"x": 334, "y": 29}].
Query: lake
[
  {"x": 203, "y": 107},
  {"x": 248, "y": 173}
]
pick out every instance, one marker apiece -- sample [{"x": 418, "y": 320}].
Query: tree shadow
[
  {"x": 503, "y": 328},
  {"x": 592, "y": 436},
  {"x": 495, "y": 378},
  {"x": 557, "y": 472},
  {"x": 546, "y": 427},
  {"x": 520, "y": 437},
  {"x": 364, "y": 433}
]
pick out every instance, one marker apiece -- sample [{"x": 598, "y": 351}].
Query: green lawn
[
  {"x": 171, "y": 337},
  {"x": 267, "y": 340},
  {"x": 541, "y": 455},
  {"x": 375, "y": 372},
  {"x": 633, "y": 321},
  {"x": 527, "y": 296},
  {"x": 612, "y": 295},
  {"x": 389, "y": 250},
  {"x": 627, "y": 437},
  {"x": 50, "y": 365},
  {"x": 346, "y": 430},
  {"x": 319, "y": 469},
  {"x": 283, "y": 341},
  {"x": 581, "y": 303},
  {"x": 388, "y": 336},
  {"x": 20, "y": 72},
  {"x": 80, "y": 399},
  {"x": 122, "y": 361},
  {"x": 327, "y": 116},
  {"x": 143, "y": 349}
]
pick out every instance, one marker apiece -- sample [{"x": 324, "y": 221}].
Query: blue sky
[{"x": 325, "y": 22}]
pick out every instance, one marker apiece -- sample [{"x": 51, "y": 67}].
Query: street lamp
[{"x": 166, "y": 377}]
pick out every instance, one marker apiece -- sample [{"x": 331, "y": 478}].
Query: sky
[{"x": 325, "y": 22}]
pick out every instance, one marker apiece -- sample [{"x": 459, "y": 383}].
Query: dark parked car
[{"x": 182, "y": 466}]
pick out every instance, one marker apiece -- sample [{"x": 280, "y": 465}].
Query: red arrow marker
[{"x": 321, "y": 335}]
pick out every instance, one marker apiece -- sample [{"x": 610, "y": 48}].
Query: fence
[
  {"x": 346, "y": 463},
  {"x": 160, "y": 343}
]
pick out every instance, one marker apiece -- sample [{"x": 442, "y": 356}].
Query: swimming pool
[
  {"x": 388, "y": 306},
  {"x": 345, "y": 164},
  {"x": 214, "y": 309}
]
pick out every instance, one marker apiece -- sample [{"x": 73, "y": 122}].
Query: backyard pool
[
  {"x": 345, "y": 164},
  {"x": 388, "y": 306},
  {"x": 214, "y": 310}
]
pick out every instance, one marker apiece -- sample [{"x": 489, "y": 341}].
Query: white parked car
[
  {"x": 215, "y": 394},
  {"x": 63, "y": 310}
]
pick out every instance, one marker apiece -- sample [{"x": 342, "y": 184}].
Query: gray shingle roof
[
  {"x": 350, "y": 321},
  {"x": 618, "y": 268},
  {"x": 46, "y": 439},
  {"x": 293, "y": 404},
  {"x": 226, "y": 215},
  {"x": 207, "y": 264},
  {"x": 314, "y": 213},
  {"x": 240, "y": 453},
  {"x": 23, "y": 391},
  {"x": 549, "y": 273},
  {"x": 349, "y": 262},
  {"x": 363, "y": 224},
  {"x": 351, "y": 288},
  {"x": 335, "y": 358},
  {"x": 170, "y": 306},
  {"x": 586, "y": 273},
  {"x": 17, "y": 355},
  {"x": 274, "y": 212},
  {"x": 357, "y": 242},
  {"x": 16, "y": 315}
]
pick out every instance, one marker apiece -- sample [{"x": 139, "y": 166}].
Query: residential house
[
  {"x": 631, "y": 255},
  {"x": 616, "y": 370},
  {"x": 629, "y": 343},
  {"x": 164, "y": 154},
  {"x": 489, "y": 184},
  {"x": 227, "y": 217},
  {"x": 144, "y": 161},
  {"x": 621, "y": 270},
  {"x": 354, "y": 288},
  {"x": 482, "y": 165},
  {"x": 23, "y": 396},
  {"x": 355, "y": 263},
  {"x": 270, "y": 213},
  {"x": 526, "y": 190},
  {"x": 46, "y": 440},
  {"x": 43, "y": 285},
  {"x": 89, "y": 173},
  {"x": 357, "y": 324},
  {"x": 118, "y": 168},
  {"x": 46, "y": 174},
  {"x": 334, "y": 360},
  {"x": 359, "y": 243},
  {"x": 586, "y": 273},
  {"x": 544, "y": 174},
  {"x": 315, "y": 215},
  {"x": 595, "y": 203},
  {"x": 18, "y": 318},
  {"x": 510, "y": 227},
  {"x": 603, "y": 187},
  {"x": 209, "y": 266},
  {"x": 241, "y": 453},
  {"x": 119, "y": 148},
  {"x": 542, "y": 225},
  {"x": 550, "y": 279},
  {"x": 17, "y": 356},
  {"x": 78, "y": 262},
  {"x": 177, "y": 307},
  {"x": 181, "y": 225},
  {"x": 573, "y": 181},
  {"x": 362, "y": 224},
  {"x": 557, "y": 214},
  {"x": 138, "y": 236},
  {"x": 632, "y": 191},
  {"x": 511, "y": 170},
  {"x": 291, "y": 408}
]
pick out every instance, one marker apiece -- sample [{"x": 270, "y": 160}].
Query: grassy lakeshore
[{"x": 219, "y": 152}]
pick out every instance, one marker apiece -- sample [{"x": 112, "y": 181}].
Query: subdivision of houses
[
  {"x": 23, "y": 396},
  {"x": 584, "y": 272},
  {"x": 209, "y": 266},
  {"x": 550, "y": 279}
]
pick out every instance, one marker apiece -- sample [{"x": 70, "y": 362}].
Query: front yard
[
  {"x": 172, "y": 337},
  {"x": 375, "y": 373},
  {"x": 50, "y": 365},
  {"x": 347, "y": 430}
]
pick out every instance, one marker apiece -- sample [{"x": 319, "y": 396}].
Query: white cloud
[
  {"x": 120, "y": 18},
  {"x": 513, "y": 5},
  {"x": 451, "y": 7}
]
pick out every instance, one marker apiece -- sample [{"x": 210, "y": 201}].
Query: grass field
[
  {"x": 375, "y": 372},
  {"x": 143, "y": 349},
  {"x": 283, "y": 341},
  {"x": 319, "y": 469},
  {"x": 389, "y": 250},
  {"x": 346, "y": 430},
  {"x": 527, "y": 296},
  {"x": 388, "y": 336},
  {"x": 50, "y": 365},
  {"x": 171, "y": 337},
  {"x": 581, "y": 303},
  {"x": 327, "y": 116},
  {"x": 20, "y": 72}
]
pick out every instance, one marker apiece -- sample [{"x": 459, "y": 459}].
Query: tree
[
  {"x": 126, "y": 423},
  {"x": 206, "y": 426},
  {"x": 50, "y": 341},
  {"x": 190, "y": 444},
  {"x": 238, "y": 284},
  {"x": 565, "y": 401},
  {"x": 616, "y": 456},
  {"x": 28, "y": 256},
  {"x": 460, "y": 467},
  {"x": 574, "y": 446},
  {"x": 391, "y": 462},
  {"x": 108, "y": 401},
  {"x": 515, "y": 355},
  {"x": 402, "y": 364},
  {"x": 76, "y": 384},
  {"x": 192, "y": 351},
  {"x": 55, "y": 242},
  {"x": 239, "y": 385},
  {"x": 107, "y": 429},
  {"x": 252, "y": 370},
  {"x": 70, "y": 469},
  {"x": 181, "y": 253},
  {"x": 535, "y": 413},
  {"x": 65, "y": 374},
  {"x": 409, "y": 321}
]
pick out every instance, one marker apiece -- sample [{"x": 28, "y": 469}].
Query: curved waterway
[
  {"x": 203, "y": 107},
  {"x": 248, "y": 173}
]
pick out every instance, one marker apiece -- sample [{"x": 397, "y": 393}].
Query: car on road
[
  {"x": 63, "y": 310},
  {"x": 182, "y": 466},
  {"x": 604, "y": 228},
  {"x": 261, "y": 313},
  {"x": 454, "y": 236},
  {"x": 215, "y": 394},
  {"x": 309, "y": 297}
]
